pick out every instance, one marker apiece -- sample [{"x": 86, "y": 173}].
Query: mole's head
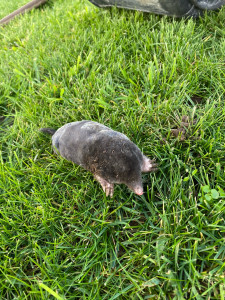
[
  {"x": 137, "y": 188},
  {"x": 129, "y": 170},
  {"x": 134, "y": 183}
]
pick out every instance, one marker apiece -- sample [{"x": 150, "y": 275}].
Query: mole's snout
[{"x": 138, "y": 190}]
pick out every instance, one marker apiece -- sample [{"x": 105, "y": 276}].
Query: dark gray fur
[
  {"x": 50, "y": 131},
  {"x": 106, "y": 153}
]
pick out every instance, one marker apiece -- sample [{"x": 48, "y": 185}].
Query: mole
[{"x": 108, "y": 154}]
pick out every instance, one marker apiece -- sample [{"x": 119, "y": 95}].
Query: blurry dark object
[
  {"x": 177, "y": 8},
  {"x": 197, "y": 99},
  {"x": 185, "y": 124}
]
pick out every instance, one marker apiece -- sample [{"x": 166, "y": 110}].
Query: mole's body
[{"x": 106, "y": 153}]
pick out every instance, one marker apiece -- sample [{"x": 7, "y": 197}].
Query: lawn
[
  {"x": 141, "y": 74},
  {"x": 7, "y": 7}
]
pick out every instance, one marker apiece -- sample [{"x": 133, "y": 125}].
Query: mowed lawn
[
  {"x": 7, "y": 7},
  {"x": 160, "y": 81}
]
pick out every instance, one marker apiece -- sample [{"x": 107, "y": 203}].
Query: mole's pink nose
[{"x": 139, "y": 191}]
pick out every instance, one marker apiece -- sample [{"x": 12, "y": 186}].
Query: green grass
[
  {"x": 61, "y": 238},
  {"x": 7, "y": 7}
]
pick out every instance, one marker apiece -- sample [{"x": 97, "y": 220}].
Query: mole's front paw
[
  {"x": 107, "y": 187},
  {"x": 149, "y": 165}
]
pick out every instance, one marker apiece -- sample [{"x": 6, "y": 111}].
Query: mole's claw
[
  {"x": 107, "y": 187},
  {"x": 111, "y": 190},
  {"x": 107, "y": 191},
  {"x": 154, "y": 170},
  {"x": 148, "y": 165},
  {"x": 152, "y": 160},
  {"x": 154, "y": 165}
]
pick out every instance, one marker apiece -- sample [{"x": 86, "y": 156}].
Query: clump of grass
[{"x": 61, "y": 238}]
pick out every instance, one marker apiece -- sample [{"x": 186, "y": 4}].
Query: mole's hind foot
[
  {"x": 107, "y": 187},
  {"x": 149, "y": 165}
]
